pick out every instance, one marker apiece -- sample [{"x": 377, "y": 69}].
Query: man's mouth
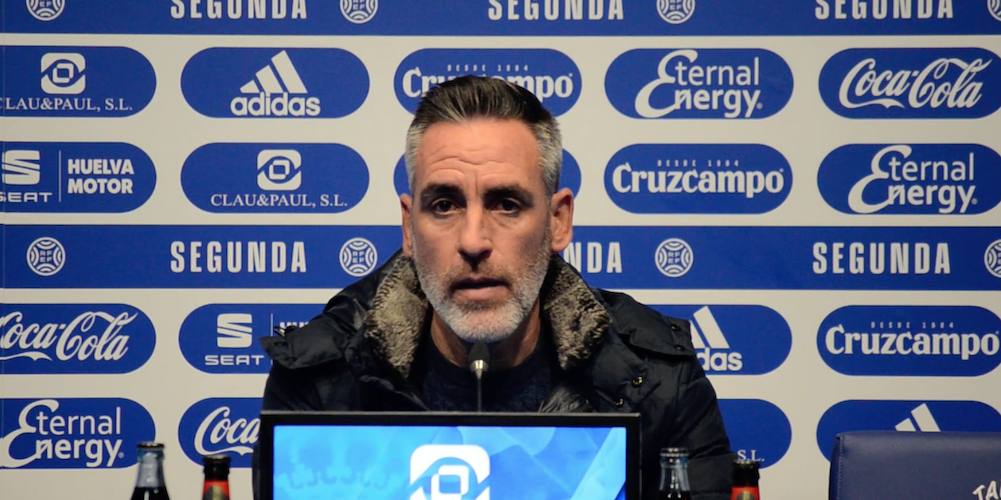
[
  {"x": 479, "y": 289},
  {"x": 477, "y": 283}
]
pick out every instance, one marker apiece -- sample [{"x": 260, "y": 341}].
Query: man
[{"x": 479, "y": 264}]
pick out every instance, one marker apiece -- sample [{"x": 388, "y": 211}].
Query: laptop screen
[{"x": 448, "y": 456}]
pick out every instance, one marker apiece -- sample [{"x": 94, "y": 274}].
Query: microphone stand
[{"x": 478, "y": 364}]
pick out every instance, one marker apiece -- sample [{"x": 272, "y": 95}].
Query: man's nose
[{"x": 475, "y": 240}]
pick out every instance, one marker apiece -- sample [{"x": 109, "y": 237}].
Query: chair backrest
[{"x": 879, "y": 465}]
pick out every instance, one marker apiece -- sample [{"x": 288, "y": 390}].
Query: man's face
[{"x": 480, "y": 226}]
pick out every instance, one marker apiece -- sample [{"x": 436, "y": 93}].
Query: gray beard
[{"x": 492, "y": 323}]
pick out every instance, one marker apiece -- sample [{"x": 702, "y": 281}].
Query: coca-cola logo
[
  {"x": 221, "y": 425},
  {"x": 74, "y": 338},
  {"x": 912, "y": 83}
]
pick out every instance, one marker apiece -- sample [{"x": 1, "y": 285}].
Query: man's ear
[
  {"x": 406, "y": 205},
  {"x": 561, "y": 219}
]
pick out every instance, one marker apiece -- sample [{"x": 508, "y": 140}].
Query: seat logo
[
  {"x": 234, "y": 330},
  {"x": 450, "y": 472},
  {"x": 21, "y": 167}
]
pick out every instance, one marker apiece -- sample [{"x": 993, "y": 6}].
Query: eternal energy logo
[
  {"x": 911, "y": 179},
  {"x": 549, "y": 74},
  {"x": 72, "y": 433},
  {"x": 911, "y": 340},
  {"x": 698, "y": 178},
  {"x": 912, "y": 83},
  {"x": 274, "y": 83},
  {"x": 75, "y": 177},
  {"x": 76, "y": 81},
  {"x": 698, "y": 83},
  {"x": 735, "y": 339},
  {"x": 225, "y": 338},
  {"x": 74, "y": 338},
  {"x": 221, "y": 425},
  {"x": 275, "y": 178}
]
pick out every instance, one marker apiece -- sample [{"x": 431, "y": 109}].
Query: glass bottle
[
  {"x": 674, "y": 475},
  {"x": 216, "y": 485},
  {"x": 745, "y": 480},
  {"x": 149, "y": 481}
]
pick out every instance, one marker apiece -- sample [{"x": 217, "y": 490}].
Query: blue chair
[{"x": 887, "y": 465}]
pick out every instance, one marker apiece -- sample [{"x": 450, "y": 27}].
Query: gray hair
[{"x": 471, "y": 97}]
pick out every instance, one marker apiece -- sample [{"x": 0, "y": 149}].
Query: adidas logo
[
  {"x": 921, "y": 420},
  {"x": 708, "y": 339},
  {"x": 276, "y": 90}
]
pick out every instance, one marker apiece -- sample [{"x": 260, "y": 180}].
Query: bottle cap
[
  {"x": 745, "y": 471},
  {"x": 216, "y": 465},
  {"x": 674, "y": 452}
]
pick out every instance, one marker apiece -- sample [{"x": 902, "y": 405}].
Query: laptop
[{"x": 449, "y": 456}]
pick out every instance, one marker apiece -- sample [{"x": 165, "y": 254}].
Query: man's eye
[
  {"x": 442, "y": 206},
  {"x": 508, "y": 205}
]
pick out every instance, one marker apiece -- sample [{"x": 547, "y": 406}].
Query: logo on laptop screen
[{"x": 449, "y": 472}]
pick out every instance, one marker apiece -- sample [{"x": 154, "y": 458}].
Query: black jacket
[{"x": 613, "y": 353}]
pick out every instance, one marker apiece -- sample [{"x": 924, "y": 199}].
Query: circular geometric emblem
[
  {"x": 675, "y": 11},
  {"x": 359, "y": 11},
  {"x": 992, "y": 258},
  {"x": 994, "y": 7},
  {"x": 46, "y": 256},
  {"x": 674, "y": 257},
  {"x": 358, "y": 257},
  {"x": 45, "y": 10}
]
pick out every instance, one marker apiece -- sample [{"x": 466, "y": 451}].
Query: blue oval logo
[
  {"x": 912, "y": 83},
  {"x": 569, "y": 175},
  {"x": 549, "y": 74},
  {"x": 95, "y": 82},
  {"x": 698, "y": 178},
  {"x": 72, "y": 433},
  {"x": 74, "y": 338},
  {"x": 221, "y": 425},
  {"x": 225, "y": 338},
  {"x": 905, "y": 416},
  {"x": 698, "y": 83},
  {"x": 735, "y": 339},
  {"x": 75, "y": 177},
  {"x": 911, "y": 340},
  {"x": 758, "y": 429},
  {"x": 275, "y": 178},
  {"x": 911, "y": 179},
  {"x": 274, "y": 83}
]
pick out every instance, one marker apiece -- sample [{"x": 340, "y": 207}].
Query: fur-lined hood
[{"x": 395, "y": 323}]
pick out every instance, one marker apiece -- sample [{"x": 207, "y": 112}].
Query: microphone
[{"x": 479, "y": 357}]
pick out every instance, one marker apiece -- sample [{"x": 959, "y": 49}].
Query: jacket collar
[{"x": 395, "y": 323}]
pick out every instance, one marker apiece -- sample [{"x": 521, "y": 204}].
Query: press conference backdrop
[{"x": 813, "y": 184}]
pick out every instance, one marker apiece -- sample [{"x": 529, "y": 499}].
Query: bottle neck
[
  {"x": 150, "y": 470},
  {"x": 674, "y": 475}
]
